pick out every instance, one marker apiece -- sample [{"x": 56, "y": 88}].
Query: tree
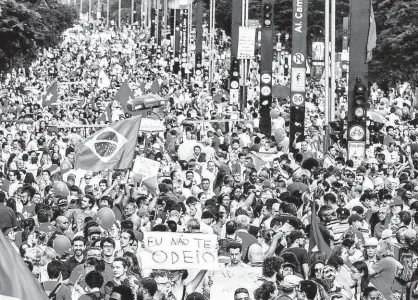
[
  {"x": 396, "y": 55},
  {"x": 28, "y": 26}
]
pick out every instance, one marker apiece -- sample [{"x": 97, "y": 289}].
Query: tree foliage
[
  {"x": 396, "y": 55},
  {"x": 28, "y": 26}
]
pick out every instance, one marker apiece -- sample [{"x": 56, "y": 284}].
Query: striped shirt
[{"x": 339, "y": 229}]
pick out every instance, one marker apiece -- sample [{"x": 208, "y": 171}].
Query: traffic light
[
  {"x": 359, "y": 102},
  {"x": 234, "y": 82},
  {"x": 337, "y": 132},
  {"x": 286, "y": 66},
  {"x": 267, "y": 15}
]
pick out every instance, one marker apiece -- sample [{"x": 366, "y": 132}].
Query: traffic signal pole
[
  {"x": 357, "y": 84},
  {"x": 266, "y": 65}
]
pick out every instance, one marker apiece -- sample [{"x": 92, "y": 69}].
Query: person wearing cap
[
  {"x": 356, "y": 224},
  {"x": 342, "y": 226},
  {"x": 369, "y": 253},
  {"x": 290, "y": 285},
  {"x": 296, "y": 242},
  {"x": 10, "y": 234}
]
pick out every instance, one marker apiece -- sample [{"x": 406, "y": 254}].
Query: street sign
[
  {"x": 246, "y": 43},
  {"x": 298, "y": 80},
  {"x": 356, "y": 152}
]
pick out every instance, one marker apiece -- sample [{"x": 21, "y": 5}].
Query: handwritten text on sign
[
  {"x": 227, "y": 280},
  {"x": 174, "y": 251},
  {"x": 146, "y": 167}
]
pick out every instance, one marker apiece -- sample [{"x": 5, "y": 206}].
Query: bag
[
  {"x": 406, "y": 259},
  {"x": 53, "y": 295}
]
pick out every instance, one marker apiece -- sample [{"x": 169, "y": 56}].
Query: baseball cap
[
  {"x": 94, "y": 230},
  {"x": 387, "y": 233},
  {"x": 7, "y": 230},
  {"x": 371, "y": 242},
  {"x": 397, "y": 201},
  {"x": 291, "y": 281},
  {"x": 62, "y": 202}
]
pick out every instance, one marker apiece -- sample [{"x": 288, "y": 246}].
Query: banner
[
  {"x": 298, "y": 63},
  {"x": 227, "y": 280},
  {"x": 146, "y": 167},
  {"x": 177, "y": 251},
  {"x": 246, "y": 43}
]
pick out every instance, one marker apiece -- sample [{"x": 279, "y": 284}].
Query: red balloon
[
  {"x": 106, "y": 217},
  {"x": 62, "y": 244}
]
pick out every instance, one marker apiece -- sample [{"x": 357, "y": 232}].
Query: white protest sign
[
  {"x": 176, "y": 251},
  {"x": 246, "y": 43},
  {"x": 151, "y": 125},
  {"x": 146, "y": 167},
  {"x": 227, "y": 280}
]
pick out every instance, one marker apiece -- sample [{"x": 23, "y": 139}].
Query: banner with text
[
  {"x": 298, "y": 63},
  {"x": 146, "y": 167},
  {"x": 246, "y": 43},
  {"x": 175, "y": 251},
  {"x": 227, "y": 280}
]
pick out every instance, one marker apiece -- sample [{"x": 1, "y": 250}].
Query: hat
[
  {"x": 62, "y": 202},
  {"x": 266, "y": 184},
  {"x": 6, "y": 231},
  {"x": 371, "y": 242},
  {"x": 207, "y": 215},
  {"x": 397, "y": 201},
  {"x": 387, "y": 233},
  {"x": 289, "y": 264},
  {"x": 250, "y": 165},
  {"x": 291, "y": 281},
  {"x": 94, "y": 230},
  {"x": 361, "y": 169}
]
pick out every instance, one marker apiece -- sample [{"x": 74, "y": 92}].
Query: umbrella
[
  {"x": 376, "y": 117},
  {"x": 280, "y": 91}
]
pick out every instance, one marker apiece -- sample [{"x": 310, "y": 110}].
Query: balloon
[
  {"x": 274, "y": 113},
  {"x": 399, "y": 112},
  {"x": 280, "y": 134},
  {"x": 62, "y": 244},
  {"x": 65, "y": 166},
  {"x": 61, "y": 188},
  {"x": 106, "y": 217}
]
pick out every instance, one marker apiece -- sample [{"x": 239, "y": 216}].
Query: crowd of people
[{"x": 315, "y": 224}]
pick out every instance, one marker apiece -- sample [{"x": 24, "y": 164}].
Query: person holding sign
[{"x": 179, "y": 289}]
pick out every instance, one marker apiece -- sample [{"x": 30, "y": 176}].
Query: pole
[
  {"x": 211, "y": 43},
  {"x": 81, "y": 8},
  {"x": 89, "y": 10},
  {"x": 333, "y": 84},
  {"x": 107, "y": 13},
  {"x": 119, "y": 14},
  {"x": 326, "y": 103},
  {"x": 132, "y": 11}
]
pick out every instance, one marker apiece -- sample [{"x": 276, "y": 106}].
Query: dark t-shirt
[{"x": 300, "y": 253}]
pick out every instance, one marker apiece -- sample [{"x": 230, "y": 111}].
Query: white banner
[
  {"x": 246, "y": 43},
  {"x": 146, "y": 167},
  {"x": 227, "y": 280},
  {"x": 177, "y": 251}
]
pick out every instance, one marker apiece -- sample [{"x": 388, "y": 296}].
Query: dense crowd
[{"x": 313, "y": 223}]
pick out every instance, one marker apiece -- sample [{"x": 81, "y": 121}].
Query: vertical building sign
[{"x": 298, "y": 63}]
